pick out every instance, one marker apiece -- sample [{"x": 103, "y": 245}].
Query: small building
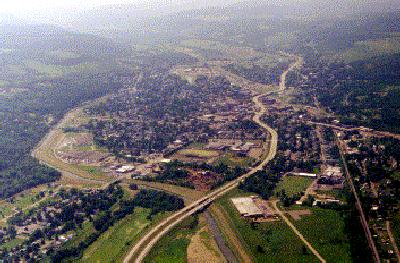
[{"x": 125, "y": 169}]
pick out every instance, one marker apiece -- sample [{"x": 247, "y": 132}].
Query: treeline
[{"x": 24, "y": 121}]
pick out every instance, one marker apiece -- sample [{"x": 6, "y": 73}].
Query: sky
[{"x": 15, "y": 6}]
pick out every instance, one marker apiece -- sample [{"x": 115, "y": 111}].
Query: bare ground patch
[{"x": 297, "y": 214}]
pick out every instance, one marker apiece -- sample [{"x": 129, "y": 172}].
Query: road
[
  {"x": 393, "y": 241},
  {"x": 287, "y": 221},
  {"x": 296, "y": 64},
  {"x": 358, "y": 205},
  {"x": 367, "y": 131},
  {"x": 153, "y": 236}
]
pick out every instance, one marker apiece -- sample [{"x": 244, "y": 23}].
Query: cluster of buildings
[{"x": 166, "y": 114}]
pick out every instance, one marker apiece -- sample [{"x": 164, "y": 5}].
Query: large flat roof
[{"x": 246, "y": 206}]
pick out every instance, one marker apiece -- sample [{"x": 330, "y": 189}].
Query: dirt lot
[{"x": 297, "y": 214}]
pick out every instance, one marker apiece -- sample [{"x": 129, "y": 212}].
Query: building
[{"x": 247, "y": 207}]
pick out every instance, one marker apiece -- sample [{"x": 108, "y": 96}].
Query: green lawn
[
  {"x": 233, "y": 161},
  {"x": 96, "y": 171},
  {"x": 172, "y": 248},
  {"x": 363, "y": 50},
  {"x": 293, "y": 184},
  {"x": 5, "y": 209},
  {"x": 11, "y": 244},
  {"x": 80, "y": 235},
  {"x": 266, "y": 242},
  {"x": 325, "y": 230},
  {"x": 113, "y": 244}
]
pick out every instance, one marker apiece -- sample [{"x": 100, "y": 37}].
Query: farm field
[
  {"x": 172, "y": 248},
  {"x": 325, "y": 230},
  {"x": 273, "y": 241},
  {"x": 293, "y": 184}
]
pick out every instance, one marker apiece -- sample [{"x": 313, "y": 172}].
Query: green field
[
  {"x": 198, "y": 153},
  {"x": 11, "y": 244},
  {"x": 172, "y": 248},
  {"x": 116, "y": 241},
  {"x": 54, "y": 71},
  {"x": 364, "y": 50},
  {"x": 293, "y": 184},
  {"x": 266, "y": 242},
  {"x": 325, "y": 230},
  {"x": 233, "y": 161},
  {"x": 3, "y": 83}
]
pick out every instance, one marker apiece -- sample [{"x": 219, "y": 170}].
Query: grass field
[
  {"x": 232, "y": 161},
  {"x": 172, "y": 248},
  {"x": 80, "y": 235},
  {"x": 266, "y": 242},
  {"x": 54, "y": 71},
  {"x": 293, "y": 184},
  {"x": 116, "y": 241},
  {"x": 199, "y": 153},
  {"x": 325, "y": 230},
  {"x": 3, "y": 83},
  {"x": 11, "y": 244},
  {"x": 363, "y": 50}
]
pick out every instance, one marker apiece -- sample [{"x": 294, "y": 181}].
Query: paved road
[
  {"x": 368, "y": 131},
  {"x": 358, "y": 205},
  {"x": 152, "y": 237},
  {"x": 287, "y": 221},
  {"x": 297, "y": 64}
]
